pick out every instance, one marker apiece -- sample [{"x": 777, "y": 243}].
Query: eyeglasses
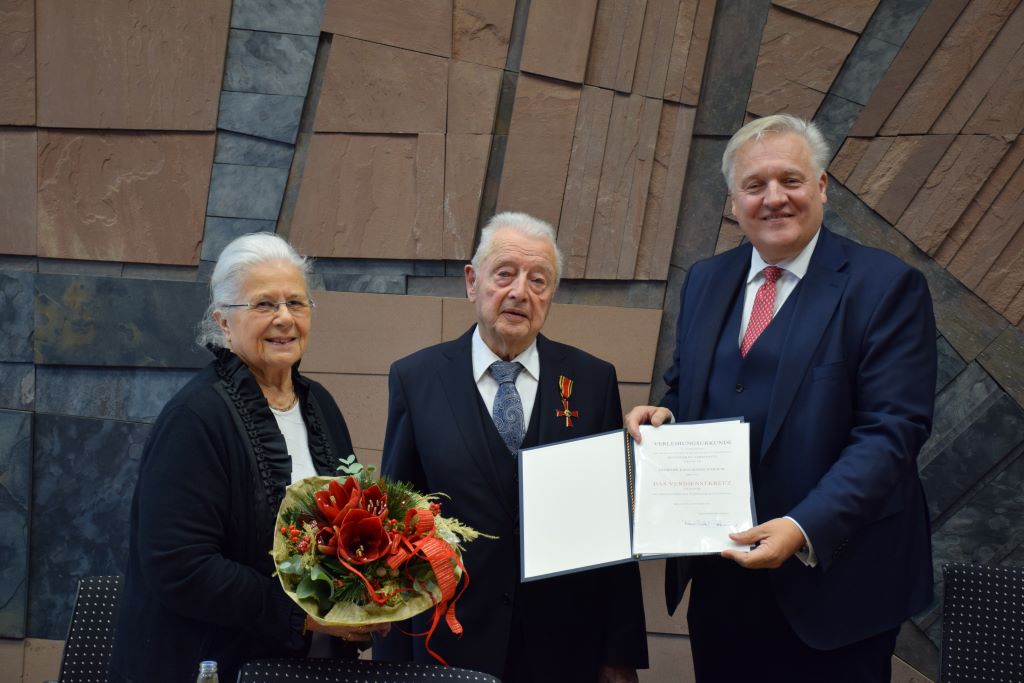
[{"x": 297, "y": 307}]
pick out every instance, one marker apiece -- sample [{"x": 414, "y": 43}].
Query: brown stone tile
[
  {"x": 852, "y": 15},
  {"x": 1002, "y": 284},
  {"x": 729, "y": 236},
  {"x": 371, "y": 88},
  {"x": 539, "y": 145},
  {"x": 558, "y": 38},
  {"x": 17, "y": 62},
  {"x": 990, "y": 260},
  {"x": 671, "y": 660},
  {"x": 950, "y": 187},
  {"x": 481, "y": 30},
  {"x": 12, "y": 658},
  {"x": 366, "y": 457},
  {"x": 652, "y": 577},
  {"x": 868, "y": 161},
  {"x": 665, "y": 194},
  {"x": 631, "y": 394},
  {"x": 1001, "y": 111},
  {"x": 472, "y": 97},
  {"x": 847, "y": 158},
  {"x": 363, "y": 400},
  {"x": 18, "y": 191},
  {"x": 1015, "y": 311},
  {"x": 123, "y": 196},
  {"x": 42, "y": 659},
  {"x": 616, "y": 40},
  {"x": 798, "y": 60},
  {"x": 362, "y": 196},
  {"x": 918, "y": 48},
  {"x": 145, "y": 65},
  {"x": 423, "y": 26},
  {"x": 465, "y": 164},
  {"x": 364, "y": 333},
  {"x": 700, "y": 42},
  {"x": 904, "y": 673},
  {"x": 656, "y": 40},
  {"x": 682, "y": 37},
  {"x": 895, "y": 181},
  {"x": 948, "y": 66}
]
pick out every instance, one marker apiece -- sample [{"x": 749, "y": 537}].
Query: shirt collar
[
  {"x": 796, "y": 266},
  {"x": 483, "y": 357}
]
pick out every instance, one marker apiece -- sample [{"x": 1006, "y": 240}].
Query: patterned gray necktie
[{"x": 508, "y": 408}]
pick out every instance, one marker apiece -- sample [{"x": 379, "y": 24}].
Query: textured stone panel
[
  {"x": 17, "y": 62},
  {"x": 363, "y": 400},
  {"x": 947, "y": 68},
  {"x": 867, "y": 160},
  {"x": 950, "y": 364},
  {"x": 847, "y": 157},
  {"x": 15, "y": 492},
  {"x": 367, "y": 284},
  {"x": 423, "y": 26},
  {"x": 908, "y": 161},
  {"x": 83, "y": 477},
  {"x": 465, "y": 163},
  {"x": 557, "y": 38},
  {"x": 220, "y": 231},
  {"x": 654, "y": 53},
  {"x": 585, "y": 162},
  {"x": 371, "y": 196},
  {"x": 453, "y": 287},
  {"x": 287, "y": 16},
  {"x": 472, "y": 97},
  {"x": 234, "y": 148},
  {"x": 957, "y": 406},
  {"x": 731, "y": 61},
  {"x": 834, "y": 118},
  {"x": 893, "y": 20},
  {"x": 670, "y": 657},
  {"x": 145, "y": 65},
  {"x": 701, "y": 207},
  {"x": 692, "y": 41},
  {"x": 1004, "y": 281},
  {"x": 633, "y": 394},
  {"x": 864, "y": 68},
  {"x": 109, "y": 321},
  {"x": 12, "y": 658},
  {"x": 798, "y": 60},
  {"x": 123, "y": 196},
  {"x": 269, "y": 63},
  {"x": 616, "y": 41},
  {"x": 17, "y": 190},
  {"x": 730, "y": 236},
  {"x": 17, "y": 322},
  {"x": 371, "y": 88},
  {"x": 17, "y": 386},
  {"x": 42, "y": 657},
  {"x": 129, "y": 394},
  {"x": 275, "y": 117},
  {"x": 1004, "y": 359},
  {"x": 852, "y": 15},
  {"x": 481, "y": 30},
  {"x": 652, "y": 577},
  {"x": 667, "y": 333},
  {"x": 246, "y": 191},
  {"x": 1000, "y": 111},
  {"x": 539, "y": 145},
  {"x": 616, "y": 293},
  {"x": 364, "y": 333}
]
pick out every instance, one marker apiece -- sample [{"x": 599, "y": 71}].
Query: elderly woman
[{"x": 200, "y": 581}]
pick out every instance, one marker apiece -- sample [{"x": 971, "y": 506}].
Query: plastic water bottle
[{"x": 207, "y": 672}]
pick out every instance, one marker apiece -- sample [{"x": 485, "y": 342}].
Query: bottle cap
[{"x": 208, "y": 666}]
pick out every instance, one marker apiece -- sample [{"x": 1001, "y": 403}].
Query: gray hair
[
  {"x": 777, "y": 123},
  {"x": 234, "y": 263},
  {"x": 522, "y": 223}
]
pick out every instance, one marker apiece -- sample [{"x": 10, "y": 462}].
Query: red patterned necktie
[{"x": 764, "y": 308}]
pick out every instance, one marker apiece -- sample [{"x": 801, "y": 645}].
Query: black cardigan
[{"x": 199, "y": 583}]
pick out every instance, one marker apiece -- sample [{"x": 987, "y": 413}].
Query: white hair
[
  {"x": 233, "y": 265},
  {"x": 522, "y": 223},
  {"x": 777, "y": 123}
]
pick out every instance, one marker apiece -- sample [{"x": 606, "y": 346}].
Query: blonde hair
[{"x": 777, "y": 123}]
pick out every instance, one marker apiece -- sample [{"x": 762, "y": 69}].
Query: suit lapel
[{"x": 548, "y": 400}]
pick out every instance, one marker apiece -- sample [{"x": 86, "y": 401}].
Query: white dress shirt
[{"x": 526, "y": 381}]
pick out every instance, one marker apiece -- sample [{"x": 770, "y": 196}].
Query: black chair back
[
  {"x": 90, "y": 640},
  {"x": 353, "y": 671}
]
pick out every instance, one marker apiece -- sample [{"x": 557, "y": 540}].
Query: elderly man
[
  {"x": 828, "y": 349},
  {"x": 458, "y": 414}
]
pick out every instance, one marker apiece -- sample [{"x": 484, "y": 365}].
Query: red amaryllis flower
[
  {"x": 338, "y": 499},
  {"x": 375, "y": 502},
  {"x": 327, "y": 541},
  {"x": 361, "y": 538}
]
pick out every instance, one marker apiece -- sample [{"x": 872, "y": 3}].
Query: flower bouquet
[{"x": 351, "y": 551}]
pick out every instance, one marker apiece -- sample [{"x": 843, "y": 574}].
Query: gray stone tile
[
  {"x": 83, "y": 474},
  {"x": 916, "y": 648},
  {"x": 492, "y": 179},
  {"x": 455, "y": 268},
  {"x": 834, "y": 118},
  {"x": 275, "y": 117},
  {"x": 666, "y": 333},
  {"x": 18, "y": 263},
  {"x": 17, "y": 386},
  {"x": 287, "y": 16},
  {"x": 219, "y": 231},
  {"x": 364, "y": 266},
  {"x": 246, "y": 191},
  {"x": 625, "y": 294},
  {"x": 950, "y": 364},
  {"x": 268, "y": 63},
  {"x": 893, "y": 20},
  {"x": 113, "y": 322},
  {"x": 149, "y": 271},
  {"x": 235, "y": 148},
  {"x": 700, "y": 213},
  {"x": 517, "y": 36},
  {"x": 129, "y": 394},
  {"x": 15, "y": 493},
  {"x": 17, "y": 321},
  {"x": 1004, "y": 359},
  {"x": 431, "y": 268},
  {"x": 351, "y": 282},
  {"x": 58, "y": 266},
  {"x": 956, "y": 407},
  {"x": 863, "y": 69},
  {"x": 454, "y": 287}
]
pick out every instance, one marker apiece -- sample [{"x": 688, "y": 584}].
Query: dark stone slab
[
  {"x": 492, "y": 179},
  {"x": 863, "y": 69},
  {"x": 83, "y": 477},
  {"x": 950, "y": 364},
  {"x": 700, "y": 213},
  {"x": 246, "y": 191},
  {"x": 357, "y": 266},
  {"x": 17, "y": 386},
  {"x": 109, "y": 321},
  {"x": 268, "y": 63},
  {"x": 517, "y": 35},
  {"x": 956, "y": 407},
  {"x": 59, "y": 266},
  {"x": 1004, "y": 358},
  {"x": 275, "y": 117},
  {"x": 454, "y": 287},
  {"x": 287, "y": 16},
  {"x": 666, "y": 333},
  {"x": 455, "y": 268},
  {"x": 350, "y": 282},
  {"x": 15, "y": 490},
  {"x": 834, "y": 118},
  {"x": 235, "y": 148},
  {"x": 893, "y": 20},
  {"x": 18, "y": 319},
  {"x": 129, "y": 394},
  {"x": 730, "y": 65},
  {"x": 149, "y": 271},
  {"x": 220, "y": 231},
  {"x": 430, "y": 268},
  {"x": 18, "y": 263},
  {"x": 625, "y": 294}
]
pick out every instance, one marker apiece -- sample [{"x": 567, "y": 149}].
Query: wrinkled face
[
  {"x": 776, "y": 196},
  {"x": 274, "y": 341},
  {"x": 512, "y": 291}
]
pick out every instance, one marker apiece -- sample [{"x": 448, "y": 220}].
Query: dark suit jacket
[
  {"x": 850, "y": 409},
  {"x": 436, "y": 439}
]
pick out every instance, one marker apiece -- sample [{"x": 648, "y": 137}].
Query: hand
[
  {"x": 641, "y": 415},
  {"x": 777, "y": 540},
  {"x": 616, "y": 674},
  {"x": 352, "y": 633}
]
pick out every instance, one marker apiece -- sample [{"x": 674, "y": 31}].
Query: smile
[{"x": 280, "y": 341}]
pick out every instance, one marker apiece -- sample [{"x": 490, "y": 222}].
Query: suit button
[{"x": 739, "y": 388}]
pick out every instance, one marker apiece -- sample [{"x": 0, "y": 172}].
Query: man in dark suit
[
  {"x": 827, "y": 348},
  {"x": 458, "y": 414}
]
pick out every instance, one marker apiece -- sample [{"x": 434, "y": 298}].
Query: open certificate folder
[{"x": 605, "y": 499}]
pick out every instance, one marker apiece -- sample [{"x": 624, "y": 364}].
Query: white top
[
  {"x": 526, "y": 381},
  {"x": 296, "y": 440}
]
